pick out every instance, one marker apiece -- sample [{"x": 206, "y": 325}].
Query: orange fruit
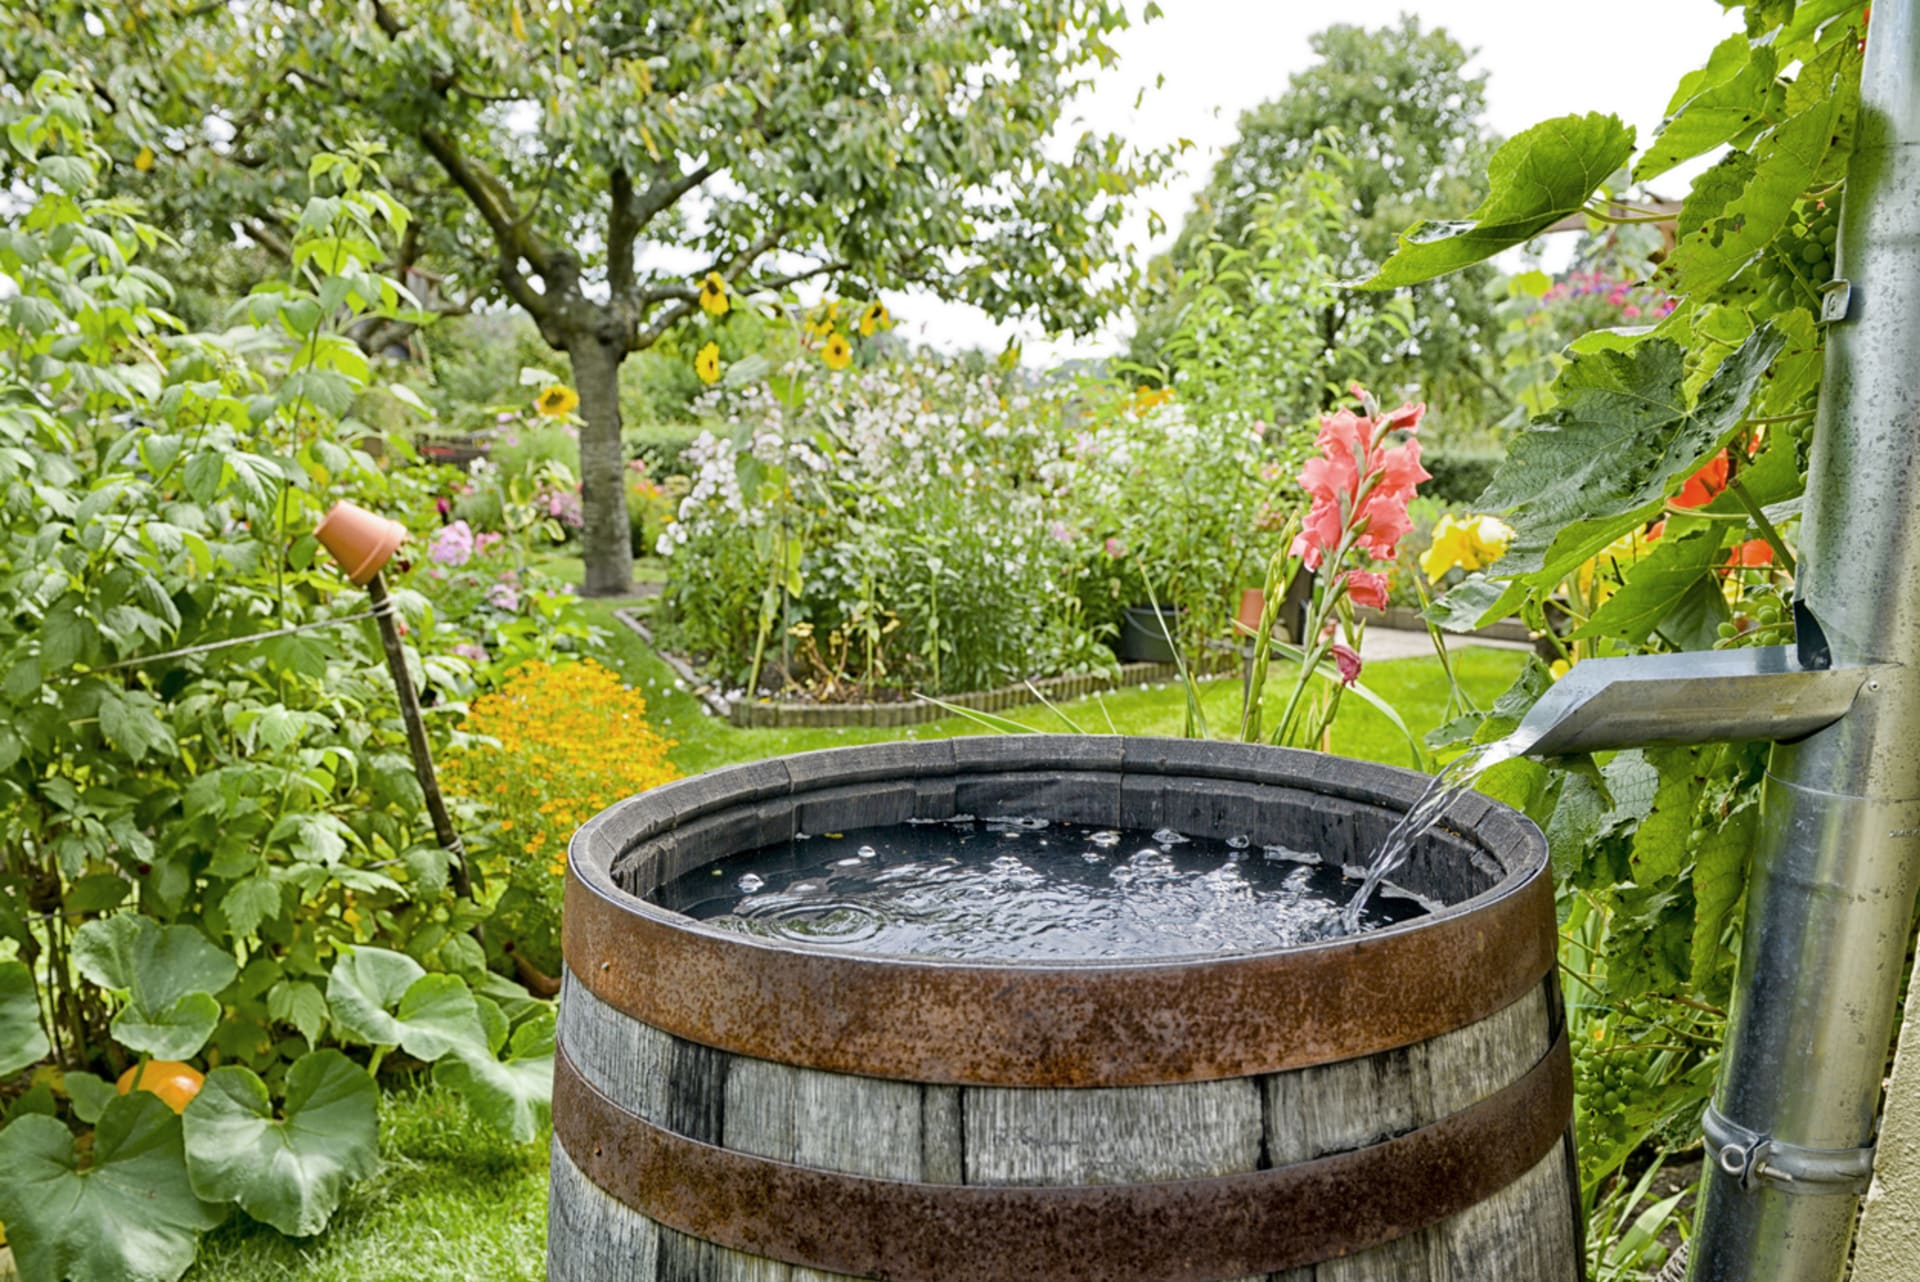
[{"x": 175, "y": 1083}]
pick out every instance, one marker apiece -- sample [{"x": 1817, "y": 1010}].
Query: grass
[
  {"x": 453, "y": 1201},
  {"x": 1417, "y": 688}
]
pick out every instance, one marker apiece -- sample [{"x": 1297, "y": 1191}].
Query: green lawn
[
  {"x": 455, "y": 1202},
  {"x": 1417, "y": 688}
]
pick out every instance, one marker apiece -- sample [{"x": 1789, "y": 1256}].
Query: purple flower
[
  {"x": 504, "y": 596},
  {"x": 468, "y": 650},
  {"x": 1060, "y": 532},
  {"x": 1115, "y": 548},
  {"x": 452, "y": 544}
]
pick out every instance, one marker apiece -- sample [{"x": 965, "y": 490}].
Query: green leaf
[
  {"x": 168, "y": 974},
  {"x": 299, "y": 1004},
  {"x": 1656, "y": 585},
  {"x": 21, "y": 1040},
  {"x": 1788, "y": 161},
  {"x": 1473, "y": 603},
  {"x": 512, "y": 1095},
  {"x": 291, "y": 1170},
  {"x": 1536, "y": 178},
  {"x": 365, "y": 985},
  {"x": 1719, "y": 102},
  {"x": 1620, "y": 439},
  {"x": 90, "y": 1095},
  {"x": 1660, "y": 845},
  {"x": 131, "y": 1216},
  {"x": 175, "y": 1031},
  {"x": 250, "y": 901},
  {"x": 1719, "y": 879},
  {"x": 129, "y": 723},
  {"x": 386, "y": 999}
]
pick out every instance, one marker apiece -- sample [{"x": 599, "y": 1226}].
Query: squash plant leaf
[
  {"x": 21, "y": 1040},
  {"x": 510, "y": 1095},
  {"x": 130, "y": 1216},
  {"x": 168, "y": 975},
  {"x": 290, "y": 1170},
  {"x": 1536, "y": 178},
  {"x": 1621, "y": 437},
  {"x": 385, "y": 999}
]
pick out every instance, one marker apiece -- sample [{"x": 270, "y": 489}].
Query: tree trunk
[{"x": 606, "y": 542}]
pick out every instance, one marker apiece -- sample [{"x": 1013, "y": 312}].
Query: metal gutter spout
[{"x": 1710, "y": 696}]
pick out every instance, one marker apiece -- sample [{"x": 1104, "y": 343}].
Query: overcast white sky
[{"x": 1542, "y": 58}]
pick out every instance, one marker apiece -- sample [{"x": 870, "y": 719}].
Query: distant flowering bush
[
  {"x": 554, "y": 745},
  {"x": 452, "y": 545}
]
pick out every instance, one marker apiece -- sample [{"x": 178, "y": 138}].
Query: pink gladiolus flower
[
  {"x": 1353, "y": 460},
  {"x": 1347, "y": 660},
  {"x": 1367, "y": 588}
]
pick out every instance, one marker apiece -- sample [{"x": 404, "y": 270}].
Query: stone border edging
[{"x": 786, "y": 714}]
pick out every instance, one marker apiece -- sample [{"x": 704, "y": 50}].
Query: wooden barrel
[{"x": 1392, "y": 1106}]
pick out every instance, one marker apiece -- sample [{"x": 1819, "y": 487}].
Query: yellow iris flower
[{"x": 1469, "y": 542}]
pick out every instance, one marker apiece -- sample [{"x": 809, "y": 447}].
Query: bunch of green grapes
[
  {"x": 1800, "y": 259},
  {"x": 1606, "y": 1079},
  {"x": 1763, "y": 618}
]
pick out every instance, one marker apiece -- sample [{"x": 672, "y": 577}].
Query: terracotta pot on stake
[{"x": 363, "y": 543}]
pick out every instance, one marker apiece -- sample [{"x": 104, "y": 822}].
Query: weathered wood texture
[{"x": 990, "y": 1135}]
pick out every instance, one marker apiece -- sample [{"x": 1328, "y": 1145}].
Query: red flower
[
  {"x": 1348, "y": 661},
  {"x": 1367, "y": 588},
  {"x": 1752, "y": 554},
  {"x": 1706, "y": 485}
]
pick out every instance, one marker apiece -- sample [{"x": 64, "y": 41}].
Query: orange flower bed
[{"x": 572, "y": 740}]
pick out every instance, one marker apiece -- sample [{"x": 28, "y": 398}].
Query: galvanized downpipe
[{"x": 1838, "y": 863}]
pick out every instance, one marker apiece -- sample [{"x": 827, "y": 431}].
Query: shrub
[
  {"x": 1460, "y": 477},
  {"x": 545, "y": 752}
]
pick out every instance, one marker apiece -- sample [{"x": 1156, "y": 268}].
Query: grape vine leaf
[
  {"x": 1660, "y": 844},
  {"x": 21, "y": 1040},
  {"x": 1620, "y": 438},
  {"x": 168, "y": 975},
  {"x": 1534, "y": 180},
  {"x": 1719, "y": 879},
  {"x": 291, "y": 1170},
  {"x": 1473, "y": 603},
  {"x": 1657, "y": 585},
  {"x": 1795, "y": 156},
  {"x": 131, "y": 1216},
  {"x": 1713, "y": 105}
]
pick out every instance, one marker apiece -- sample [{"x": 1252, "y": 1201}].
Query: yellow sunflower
[
  {"x": 838, "y": 352},
  {"x": 557, "y": 401},
  {"x": 822, "y": 319},
  {"x": 874, "y": 317},
  {"x": 707, "y": 363},
  {"x": 713, "y": 296}
]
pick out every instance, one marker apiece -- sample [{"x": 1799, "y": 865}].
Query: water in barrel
[{"x": 1027, "y": 889}]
